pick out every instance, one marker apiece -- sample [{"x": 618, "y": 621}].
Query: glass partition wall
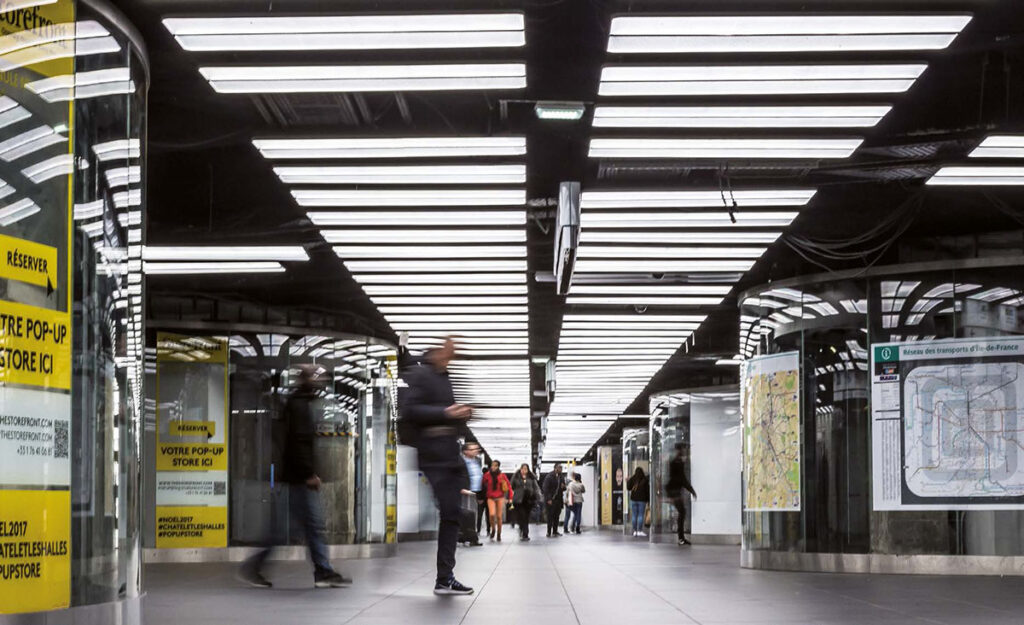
[
  {"x": 908, "y": 400},
  {"x": 355, "y": 445}
]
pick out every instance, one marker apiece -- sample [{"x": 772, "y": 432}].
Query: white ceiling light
[
  {"x": 841, "y": 116},
  {"x": 83, "y": 85},
  {"x": 979, "y": 176},
  {"x": 650, "y": 252},
  {"x": 391, "y": 147},
  {"x": 406, "y": 174},
  {"x": 649, "y": 289},
  {"x": 445, "y": 235},
  {"x": 694, "y": 80},
  {"x": 1000, "y": 146},
  {"x": 494, "y": 217},
  {"x": 459, "y": 300},
  {"x": 560, "y": 111},
  {"x": 60, "y": 165},
  {"x": 642, "y": 300},
  {"x": 453, "y": 289},
  {"x": 441, "y": 278},
  {"x": 157, "y": 268},
  {"x": 11, "y": 112},
  {"x": 588, "y": 265},
  {"x": 679, "y": 219},
  {"x": 28, "y": 142},
  {"x": 468, "y": 341},
  {"x": 429, "y": 251},
  {"x": 602, "y": 331},
  {"x": 698, "y": 34},
  {"x": 435, "y": 266},
  {"x": 227, "y": 252},
  {"x": 695, "y": 199},
  {"x": 678, "y": 238},
  {"x": 365, "y": 78},
  {"x": 13, "y": 213},
  {"x": 410, "y": 197},
  {"x": 722, "y": 148},
  {"x": 123, "y": 176},
  {"x": 120, "y": 149},
  {"x": 349, "y": 32}
]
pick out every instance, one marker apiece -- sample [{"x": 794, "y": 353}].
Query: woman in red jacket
[{"x": 498, "y": 491}]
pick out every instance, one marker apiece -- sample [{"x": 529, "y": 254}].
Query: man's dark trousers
[
  {"x": 554, "y": 512},
  {"x": 447, "y": 483}
]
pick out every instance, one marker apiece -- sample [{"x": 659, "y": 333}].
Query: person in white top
[{"x": 575, "y": 496}]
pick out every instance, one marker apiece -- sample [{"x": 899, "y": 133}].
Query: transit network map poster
[
  {"x": 770, "y": 404},
  {"x": 946, "y": 424}
]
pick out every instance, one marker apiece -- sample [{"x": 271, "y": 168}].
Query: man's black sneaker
[
  {"x": 254, "y": 579},
  {"x": 331, "y": 580},
  {"x": 684, "y": 542},
  {"x": 453, "y": 587}
]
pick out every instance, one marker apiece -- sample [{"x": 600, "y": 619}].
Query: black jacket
[
  {"x": 421, "y": 405},
  {"x": 525, "y": 492},
  {"x": 300, "y": 433},
  {"x": 677, "y": 481},
  {"x": 639, "y": 488},
  {"x": 554, "y": 486}
]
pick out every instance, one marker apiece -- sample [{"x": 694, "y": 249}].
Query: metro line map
[
  {"x": 771, "y": 432},
  {"x": 963, "y": 430}
]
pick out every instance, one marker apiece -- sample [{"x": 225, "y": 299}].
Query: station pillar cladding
[{"x": 72, "y": 208}]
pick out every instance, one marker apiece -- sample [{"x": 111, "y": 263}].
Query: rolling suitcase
[{"x": 467, "y": 522}]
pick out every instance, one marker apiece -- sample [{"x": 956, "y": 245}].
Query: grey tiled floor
[{"x": 595, "y": 579}]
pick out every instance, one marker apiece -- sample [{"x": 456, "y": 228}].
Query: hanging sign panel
[
  {"x": 191, "y": 442},
  {"x": 36, "y": 450},
  {"x": 946, "y": 424},
  {"x": 770, "y": 406}
]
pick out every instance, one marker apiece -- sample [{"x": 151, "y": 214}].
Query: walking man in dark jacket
[
  {"x": 677, "y": 484},
  {"x": 299, "y": 472},
  {"x": 427, "y": 405},
  {"x": 554, "y": 490}
]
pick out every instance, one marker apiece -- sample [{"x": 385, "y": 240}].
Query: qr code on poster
[
  {"x": 220, "y": 488},
  {"x": 60, "y": 439}
]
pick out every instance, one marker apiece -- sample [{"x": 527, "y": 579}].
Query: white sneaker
[{"x": 641, "y": 534}]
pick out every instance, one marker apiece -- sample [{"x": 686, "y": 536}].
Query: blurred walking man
[
  {"x": 554, "y": 490},
  {"x": 428, "y": 406},
  {"x": 299, "y": 472}
]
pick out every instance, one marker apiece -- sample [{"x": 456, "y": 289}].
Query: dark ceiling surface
[{"x": 208, "y": 184}]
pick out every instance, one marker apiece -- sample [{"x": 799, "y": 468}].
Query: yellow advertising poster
[
  {"x": 191, "y": 441},
  {"x": 605, "y": 466},
  {"x": 35, "y": 550},
  {"x": 191, "y": 526},
  {"x": 37, "y": 47}
]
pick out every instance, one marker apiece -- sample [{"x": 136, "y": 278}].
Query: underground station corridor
[{"x": 511, "y": 311}]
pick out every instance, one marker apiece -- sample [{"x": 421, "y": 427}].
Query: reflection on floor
[{"x": 595, "y": 579}]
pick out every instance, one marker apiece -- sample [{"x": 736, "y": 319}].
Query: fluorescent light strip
[
  {"x": 430, "y": 251},
  {"x": 445, "y": 235},
  {"x": 225, "y": 252},
  {"x": 651, "y": 289},
  {"x": 661, "y": 266},
  {"x": 123, "y": 176},
  {"x": 722, "y": 148},
  {"x": 453, "y": 290},
  {"x": 83, "y": 85},
  {"x": 599, "y": 331},
  {"x": 13, "y": 213},
  {"x": 454, "y": 318},
  {"x": 495, "y": 217},
  {"x": 467, "y": 300},
  {"x": 60, "y": 165},
  {"x": 405, "y": 175},
  {"x": 120, "y": 149},
  {"x": 695, "y": 219},
  {"x": 391, "y": 147},
  {"x": 650, "y": 252},
  {"x": 349, "y": 32},
  {"x": 167, "y": 268},
  {"x": 782, "y": 33},
  {"x": 679, "y": 238},
  {"x": 441, "y": 278},
  {"x": 11, "y": 112},
  {"x": 642, "y": 300},
  {"x": 29, "y": 141},
  {"x": 365, "y": 78},
  {"x": 694, "y": 199},
  {"x": 474, "y": 341},
  {"x": 739, "y": 116},
  {"x": 979, "y": 176},
  {"x": 693, "y": 80},
  {"x": 1000, "y": 146},
  {"x": 441, "y": 310},
  {"x": 410, "y": 197},
  {"x": 427, "y": 266}
]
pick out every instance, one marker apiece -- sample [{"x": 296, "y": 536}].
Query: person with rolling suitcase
[{"x": 469, "y": 534}]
